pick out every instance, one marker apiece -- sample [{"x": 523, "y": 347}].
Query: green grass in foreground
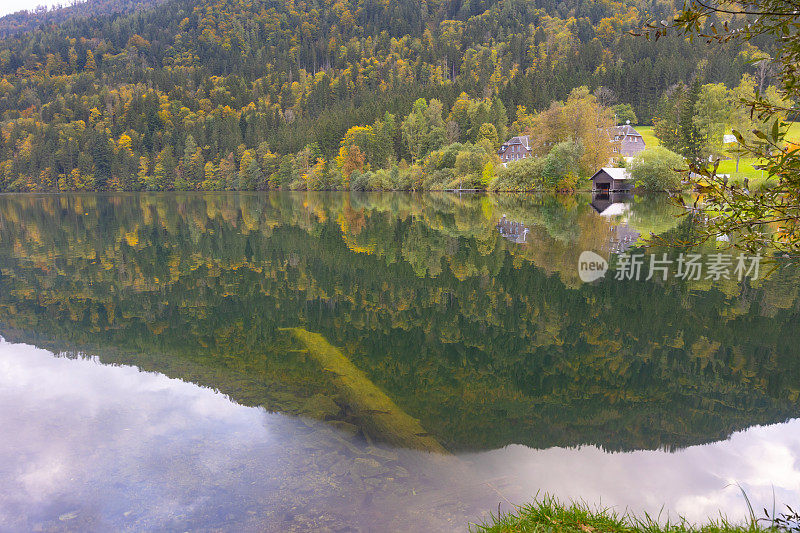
[{"x": 550, "y": 515}]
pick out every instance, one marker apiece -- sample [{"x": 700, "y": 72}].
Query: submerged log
[{"x": 378, "y": 412}]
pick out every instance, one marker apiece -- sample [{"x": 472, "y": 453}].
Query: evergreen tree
[
  {"x": 691, "y": 142},
  {"x": 101, "y": 159}
]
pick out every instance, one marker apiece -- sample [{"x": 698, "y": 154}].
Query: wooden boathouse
[{"x": 609, "y": 179}]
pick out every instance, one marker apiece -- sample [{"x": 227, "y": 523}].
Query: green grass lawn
[
  {"x": 650, "y": 140},
  {"x": 549, "y": 515},
  {"x": 746, "y": 170},
  {"x": 728, "y": 166},
  {"x": 794, "y": 132}
]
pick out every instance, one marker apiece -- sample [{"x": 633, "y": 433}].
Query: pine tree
[
  {"x": 691, "y": 143},
  {"x": 499, "y": 117},
  {"x": 101, "y": 158}
]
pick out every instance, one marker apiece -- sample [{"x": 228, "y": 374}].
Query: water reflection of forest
[{"x": 485, "y": 341}]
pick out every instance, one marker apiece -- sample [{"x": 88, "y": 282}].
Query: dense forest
[
  {"x": 240, "y": 94},
  {"x": 29, "y": 20},
  {"x": 516, "y": 350}
]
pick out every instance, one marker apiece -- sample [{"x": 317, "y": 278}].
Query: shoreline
[{"x": 548, "y": 514}]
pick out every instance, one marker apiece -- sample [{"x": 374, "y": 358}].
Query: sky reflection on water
[
  {"x": 696, "y": 483},
  {"x": 95, "y": 447}
]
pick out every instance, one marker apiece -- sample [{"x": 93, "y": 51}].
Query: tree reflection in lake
[{"x": 485, "y": 341}]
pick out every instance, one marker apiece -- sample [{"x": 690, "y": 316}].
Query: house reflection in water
[
  {"x": 621, "y": 236},
  {"x": 515, "y": 232}
]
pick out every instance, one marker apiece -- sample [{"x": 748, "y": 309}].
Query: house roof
[
  {"x": 625, "y": 130},
  {"x": 615, "y": 173},
  {"x": 520, "y": 139},
  {"x": 615, "y": 209}
]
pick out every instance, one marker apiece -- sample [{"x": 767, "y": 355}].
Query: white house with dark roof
[
  {"x": 626, "y": 140},
  {"x": 515, "y": 148}
]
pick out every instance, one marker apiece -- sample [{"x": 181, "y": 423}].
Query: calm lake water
[{"x": 376, "y": 362}]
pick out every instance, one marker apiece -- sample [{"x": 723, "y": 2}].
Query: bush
[
  {"x": 438, "y": 179},
  {"x": 470, "y": 165},
  {"x": 379, "y": 180},
  {"x": 359, "y": 181},
  {"x": 401, "y": 179},
  {"x": 522, "y": 175},
  {"x": 466, "y": 181},
  {"x": 654, "y": 169}
]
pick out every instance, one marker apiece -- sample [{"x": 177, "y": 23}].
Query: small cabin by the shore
[
  {"x": 611, "y": 180},
  {"x": 608, "y": 204}
]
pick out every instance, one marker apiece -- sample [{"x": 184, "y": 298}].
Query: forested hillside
[
  {"x": 22, "y": 21},
  {"x": 236, "y": 94}
]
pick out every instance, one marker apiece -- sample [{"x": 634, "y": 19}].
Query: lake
[{"x": 377, "y": 362}]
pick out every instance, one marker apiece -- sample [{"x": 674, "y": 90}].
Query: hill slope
[
  {"x": 104, "y": 96},
  {"x": 23, "y": 21}
]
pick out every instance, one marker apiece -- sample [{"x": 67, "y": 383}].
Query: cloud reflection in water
[{"x": 98, "y": 447}]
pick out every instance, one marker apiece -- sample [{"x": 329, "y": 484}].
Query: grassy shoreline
[
  {"x": 548, "y": 514},
  {"x": 747, "y": 164}
]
